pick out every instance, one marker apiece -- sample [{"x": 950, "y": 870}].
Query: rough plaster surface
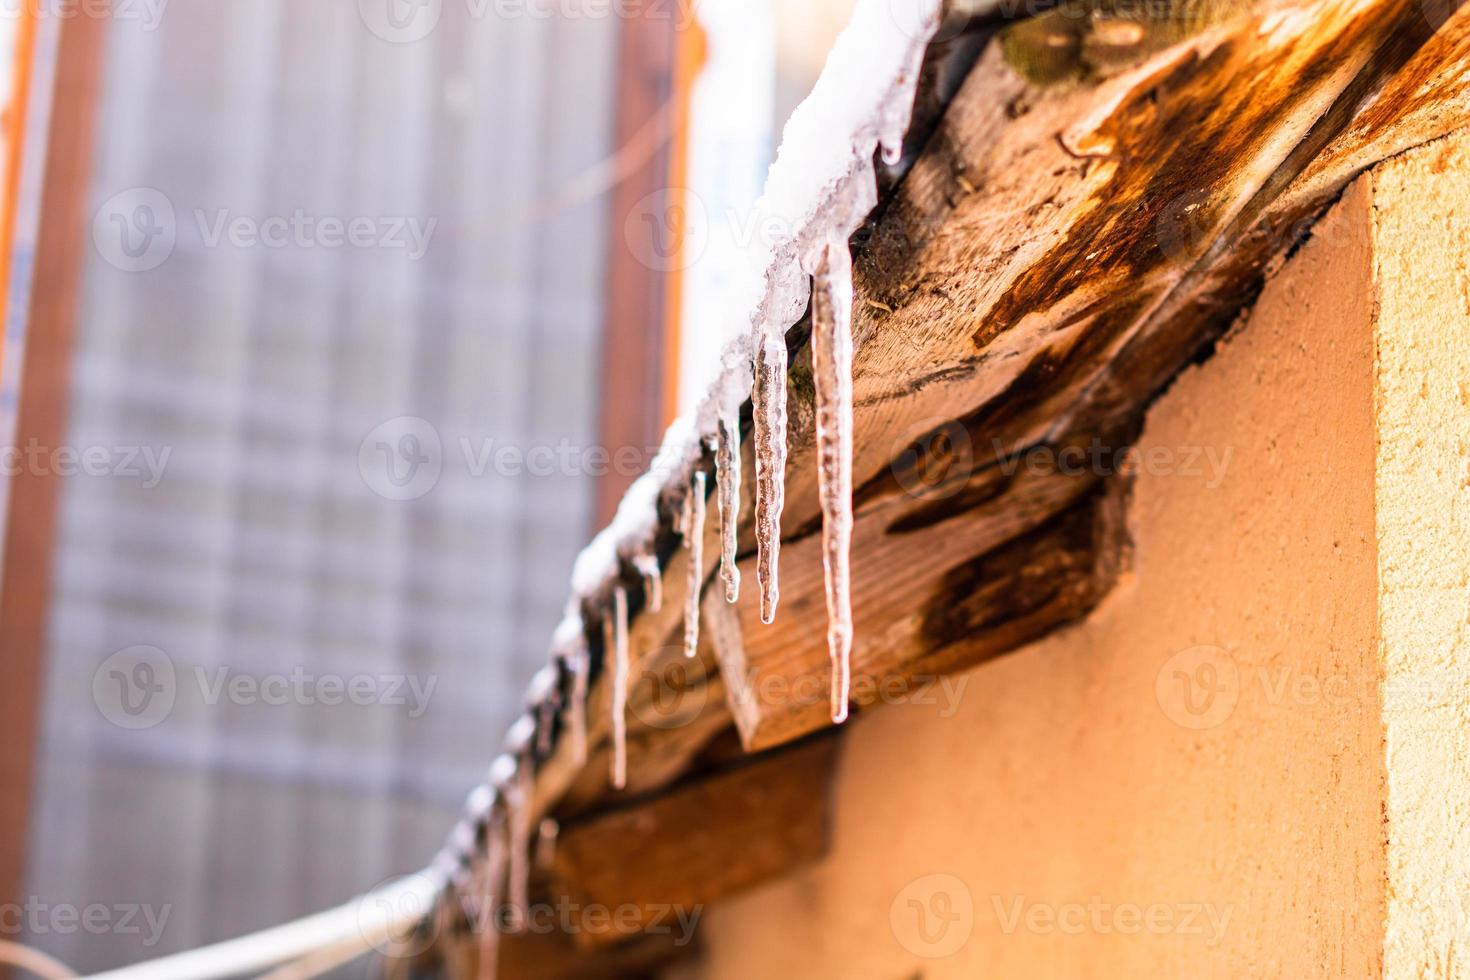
[
  {"x": 1190, "y": 783},
  {"x": 1422, "y": 228}
]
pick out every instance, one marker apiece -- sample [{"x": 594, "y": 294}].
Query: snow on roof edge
[{"x": 861, "y": 101}]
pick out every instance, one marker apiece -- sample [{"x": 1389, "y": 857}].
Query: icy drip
[
  {"x": 545, "y": 719},
  {"x": 617, "y": 637},
  {"x": 694, "y": 508},
  {"x": 653, "y": 581},
  {"x": 832, "y": 376},
  {"x": 543, "y": 700},
  {"x": 769, "y": 396},
  {"x": 727, "y": 485},
  {"x": 577, "y": 711},
  {"x": 443, "y": 919},
  {"x": 493, "y": 872},
  {"x": 518, "y": 824}
]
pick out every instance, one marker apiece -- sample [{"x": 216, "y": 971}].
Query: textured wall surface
[
  {"x": 1422, "y": 231},
  {"x": 1191, "y": 782}
]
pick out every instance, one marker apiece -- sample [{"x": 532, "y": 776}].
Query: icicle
[
  {"x": 832, "y": 376},
  {"x": 478, "y": 803},
  {"x": 577, "y": 711},
  {"x": 727, "y": 485},
  {"x": 443, "y": 919},
  {"x": 454, "y": 867},
  {"x": 770, "y": 462},
  {"x": 545, "y": 719},
  {"x": 519, "y": 827},
  {"x": 543, "y": 697},
  {"x": 653, "y": 580},
  {"x": 462, "y": 837},
  {"x": 493, "y": 874},
  {"x": 616, "y": 634},
  {"x": 694, "y": 540}
]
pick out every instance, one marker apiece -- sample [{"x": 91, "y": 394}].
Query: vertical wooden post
[
  {"x": 644, "y": 226},
  {"x": 16, "y": 130},
  {"x": 25, "y": 577}
]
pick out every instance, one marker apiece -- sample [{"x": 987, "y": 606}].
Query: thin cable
[
  {"x": 365, "y": 923},
  {"x": 315, "y": 964},
  {"x": 33, "y": 961}
]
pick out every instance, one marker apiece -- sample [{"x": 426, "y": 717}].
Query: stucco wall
[
  {"x": 1192, "y": 782},
  {"x": 1421, "y": 224}
]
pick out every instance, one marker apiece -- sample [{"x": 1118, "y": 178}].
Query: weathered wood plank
[
  {"x": 941, "y": 587},
  {"x": 701, "y": 842},
  {"x": 547, "y": 954}
]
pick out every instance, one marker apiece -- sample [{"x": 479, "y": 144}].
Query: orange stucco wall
[{"x": 1192, "y": 782}]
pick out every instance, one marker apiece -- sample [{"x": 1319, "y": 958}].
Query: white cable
[
  {"x": 33, "y": 961},
  {"x": 314, "y": 964},
  {"x": 368, "y": 922}
]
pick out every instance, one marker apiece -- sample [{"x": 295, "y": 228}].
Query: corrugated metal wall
[{"x": 269, "y": 549}]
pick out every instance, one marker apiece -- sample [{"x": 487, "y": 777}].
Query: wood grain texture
[{"x": 704, "y": 841}]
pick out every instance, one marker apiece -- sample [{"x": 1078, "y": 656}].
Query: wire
[
  {"x": 315, "y": 964},
  {"x": 33, "y": 961},
  {"x": 315, "y": 943}
]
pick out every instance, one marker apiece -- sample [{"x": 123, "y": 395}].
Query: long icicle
[
  {"x": 694, "y": 540},
  {"x": 577, "y": 711},
  {"x": 545, "y": 719},
  {"x": 770, "y": 461},
  {"x": 727, "y": 486},
  {"x": 616, "y": 633},
  {"x": 832, "y": 376},
  {"x": 493, "y": 873},
  {"x": 519, "y": 827},
  {"x": 543, "y": 699}
]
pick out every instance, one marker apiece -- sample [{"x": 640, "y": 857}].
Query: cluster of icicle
[{"x": 820, "y": 189}]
